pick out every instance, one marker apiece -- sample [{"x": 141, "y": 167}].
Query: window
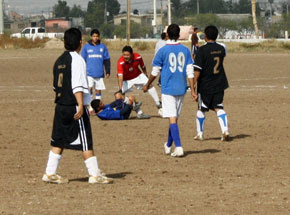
[
  {"x": 7, "y": 26},
  {"x": 55, "y": 25},
  {"x": 26, "y": 31},
  {"x": 33, "y": 31},
  {"x": 41, "y": 30}
]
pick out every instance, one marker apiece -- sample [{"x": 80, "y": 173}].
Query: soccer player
[
  {"x": 160, "y": 44},
  {"x": 175, "y": 63},
  {"x": 132, "y": 72},
  {"x": 97, "y": 57},
  {"x": 71, "y": 124},
  {"x": 120, "y": 109},
  {"x": 194, "y": 43},
  {"x": 211, "y": 81}
]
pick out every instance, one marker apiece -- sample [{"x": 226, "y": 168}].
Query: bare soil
[{"x": 248, "y": 175}]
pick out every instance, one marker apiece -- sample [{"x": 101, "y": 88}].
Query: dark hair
[
  {"x": 95, "y": 31},
  {"x": 173, "y": 31},
  {"x": 211, "y": 32},
  {"x": 127, "y": 49},
  {"x": 119, "y": 91},
  {"x": 72, "y": 38},
  {"x": 163, "y": 35},
  {"x": 196, "y": 28},
  {"x": 95, "y": 105}
]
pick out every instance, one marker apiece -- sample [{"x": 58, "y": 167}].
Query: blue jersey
[
  {"x": 109, "y": 113},
  {"x": 173, "y": 58},
  {"x": 94, "y": 55}
]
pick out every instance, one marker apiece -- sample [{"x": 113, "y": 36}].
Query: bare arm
[
  {"x": 194, "y": 83},
  {"x": 120, "y": 81},
  {"x": 79, "y": 98},
  {"x": 146, "y": 86},
  {"x": 144, "y": 71}
]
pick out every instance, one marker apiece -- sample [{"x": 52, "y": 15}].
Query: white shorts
[
  {"x": 138, "y": 82},
  {"x": 97, "y": 83},
  {"x": 171, "y": 105}
]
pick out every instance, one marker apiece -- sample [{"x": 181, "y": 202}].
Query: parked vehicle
[{"x": 36, "y": 32}]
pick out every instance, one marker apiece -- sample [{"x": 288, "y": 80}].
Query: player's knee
[
  {"x": 200, "y": 114},
  {"x": 220, "y": 112}
]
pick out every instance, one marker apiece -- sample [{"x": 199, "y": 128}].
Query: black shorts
[
  {"x": 68, "y": 133},
  {"x": 208, "y": 102},
  {"x": 126, "y": 111}
]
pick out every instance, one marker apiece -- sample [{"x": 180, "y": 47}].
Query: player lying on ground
[
  {"x": 132, "y": 73},
  {"x": 71, "y": 124},
  {"x": 175, "y": 63},
  {"x": 211, "y": 81},
  {"x": 118, "y": 110}
]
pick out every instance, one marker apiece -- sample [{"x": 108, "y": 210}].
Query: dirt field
[{"x": 248, "y": 175}]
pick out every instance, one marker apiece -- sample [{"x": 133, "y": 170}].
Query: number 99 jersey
[
  {"x": 174, "y": 59},
  {"x": 209, "y": 62}
]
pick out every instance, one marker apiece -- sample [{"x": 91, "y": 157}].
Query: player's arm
[
  {"x": 142, "y": 66},
  {"x": 80, "y": 110},
  {"x": 107, "y": 65},
  {"x": 153, "y": 75}
]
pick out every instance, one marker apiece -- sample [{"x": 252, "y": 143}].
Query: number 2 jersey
[
  {"x": 175, "y": 60},
  {"x": 209, "y": 62}
]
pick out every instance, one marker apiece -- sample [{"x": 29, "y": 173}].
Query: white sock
[
  {"x": 52, "y": 163},
  {"x": 223, "y": 120},
  {"x": 153, "y": 93},
  {"x": 92, "y": 166},
  {"x": 200, "y": 119}
]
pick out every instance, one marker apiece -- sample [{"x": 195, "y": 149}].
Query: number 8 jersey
[
  {"x": 174, "y": 60},
  {"x": 209, "y": 62}
]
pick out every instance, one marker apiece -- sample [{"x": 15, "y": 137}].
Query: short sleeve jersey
[
  {"x": 130, "y": 70},
  {"x": 209, "y": 62},
  {"x": 94, "y": 55},
  {"x": 173, "y": 60},
  {"x": 69, "y": 77}
]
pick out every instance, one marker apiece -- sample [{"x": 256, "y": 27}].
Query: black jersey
[
  {"x": 209, "y": 61},
  {"x": 69, "y": 77}
]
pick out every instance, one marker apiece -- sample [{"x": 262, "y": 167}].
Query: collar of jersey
[{"x": 172, "y": 42}]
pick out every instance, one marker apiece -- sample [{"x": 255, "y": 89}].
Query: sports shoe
[
  {"x": 199, "y": 137},
  {"x": 159, "y": 106},
  {"x": 160, "y": 112},
  {"x": 137, "y": 106},
  {"x": 225, "y": 136},
  {"x": 100, "y": 180},
  {"x": 143, "y": 116},
  {"x": 56, "y": 179},
  {"x": 178, "y": 152},
  {"x": 167, "y": 149}
]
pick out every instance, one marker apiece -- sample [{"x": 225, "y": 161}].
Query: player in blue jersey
[
  {"x": 176, "y": 65},
  {"x": 211, "y": 81},
  {"x": 97, "y": 57}
]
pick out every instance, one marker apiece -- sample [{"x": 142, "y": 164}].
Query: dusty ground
[{"x": 248, "y": 175}]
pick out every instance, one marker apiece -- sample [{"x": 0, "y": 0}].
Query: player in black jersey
[
  {"x": 71, "y": 124},
  {"x": 209, "y": 74}
]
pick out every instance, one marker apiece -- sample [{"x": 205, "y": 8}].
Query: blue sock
[
  {"x": 175, "y": 134},
  {"x": 170, "y": 140}
]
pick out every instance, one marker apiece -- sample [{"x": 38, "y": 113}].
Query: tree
[
  {"x": 76, "y": 11},
  {"x": 176, "y": 6},
  {"x": 61, "y": 9},
  {"x": 255, "y": 18},
  {"x": 96, "y": 11}
]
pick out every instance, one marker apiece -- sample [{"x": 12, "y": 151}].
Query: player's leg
[
  {"x": 203, "y": 106},
  {"x": 91, "y": 83},
  {"x": 222, "y": 116},
  {"x": 172, "y": 108},
  {"x": 99, "y": 86}
]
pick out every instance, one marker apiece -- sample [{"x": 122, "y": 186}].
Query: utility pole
[
  {"x": 161, "y": 13},
  {"x": 105, "y": 13},
  {"x": 197, "y": 6},
  {"x": 128, "y": 21},
  {"x": 169, "y": 12},
  {"x": 154, "y": 22},
  {"x": 1, "y": 18}
]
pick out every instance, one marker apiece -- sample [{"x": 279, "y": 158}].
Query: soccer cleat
[
  {"x": 56, "y": 179},
  {"x": 100, "y": 180},
  {"x": 167, "y": 149},
  {"x": 143, "y": 116},
  {"x": 137, "y": 106},
  {"x": 199, "y": 137},
  {"x": 225, "y": 136},
  {"x": 159, "y": 106},
  {"x": 178, "y": 152}
]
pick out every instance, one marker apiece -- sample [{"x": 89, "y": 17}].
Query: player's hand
[
  {"x": 145, "y": 88},
  {"x": 107, "y": 75},
  {"x": 79, "y": 113},
  {"x": 194, "y": 96}
]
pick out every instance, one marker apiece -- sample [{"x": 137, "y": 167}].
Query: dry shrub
[
  {"x": 285, "y": 46},
  {"x": 24, "y": 43},
  {"x": 250, "y": 45}
]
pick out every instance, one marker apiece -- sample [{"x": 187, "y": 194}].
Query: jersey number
[
  {"x": 173, "y": 61},
  {"x": 215, "y": 69}
]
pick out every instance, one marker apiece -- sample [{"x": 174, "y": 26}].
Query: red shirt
[{"x": 130, "y": 70}]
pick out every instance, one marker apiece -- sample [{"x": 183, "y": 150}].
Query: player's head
[
  {"x": 72, "y": 39},
  {"x": 127, "y": 52},
  {"x": 173, "y": 31},
  {"x": 97, "y": 105},
  {"x": 163, "y": 36},
  {"x": 211, "y": 32},
  {"x": 119, "y": 95},
  {"x": 95, "y": 36},
  {"x": 195, "y": 30}
]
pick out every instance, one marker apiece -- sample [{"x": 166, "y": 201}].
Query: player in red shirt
[{"x": 132, "y": 72}]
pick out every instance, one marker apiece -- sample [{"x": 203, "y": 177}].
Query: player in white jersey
[{"x": 176, "y": 65}]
